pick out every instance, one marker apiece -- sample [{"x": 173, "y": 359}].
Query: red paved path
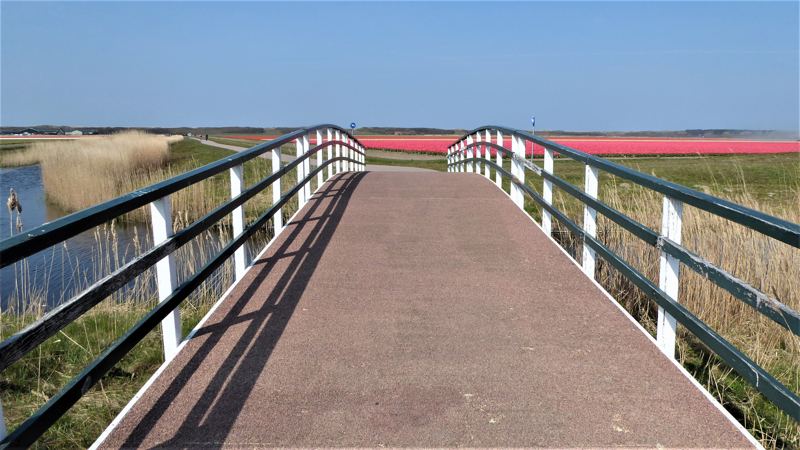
[{"x": 419, "y": 309}]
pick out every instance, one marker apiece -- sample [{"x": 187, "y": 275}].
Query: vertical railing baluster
[
  {"x": 447, "y": 159},
  {"x": 514, "y": 190},
  {"x": 166, "y": 278},
  {"x": 669, "y": 274},
  {"x": 346, "y": 152},
  {"x": 338, "y": 151},
  {"x": 589, "y": 218},
  {"x": 277, "y": 219},
  {"x": 498, "y": 179},
  {"x": 478, "y": 154},
  {"x": 329, "y": 135},
  {"x": 487, "y": 154},
  {"x": 518, "y": 160},
  {"x": 307, "y": 164},
  {"x": 470, "y": 155},
  {"x": 301, "y": 194},
  {"x": 237, "y": 220},
  {"x": 352, "y": 155},
  {"x": 547, "y": 192},
  {"x": 319, "y": 159},
  {"x": 463, "y": 150}
]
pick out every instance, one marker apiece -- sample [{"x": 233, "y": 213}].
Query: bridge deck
[{"x": 419, "y": 309}]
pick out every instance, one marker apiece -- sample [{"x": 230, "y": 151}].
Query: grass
[
  {"x": 246, "y": 143},
  {"x": 433, "y": 164},
  {"x": 27, "y": 384}
]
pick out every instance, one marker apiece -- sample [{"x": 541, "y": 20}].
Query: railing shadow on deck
[{"x": 217, "y": 408}]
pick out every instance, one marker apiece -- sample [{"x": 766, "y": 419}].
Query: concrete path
[
  {"x": 421, "y": 310},
  {"x": 289, "y": 158}
]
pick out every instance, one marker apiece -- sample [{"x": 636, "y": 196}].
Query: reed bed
[{"x": 81, "y": 173}]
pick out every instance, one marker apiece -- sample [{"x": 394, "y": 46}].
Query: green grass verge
[
  {"x": 433, "y": 164},
  {"x": 31, "y": 381},
  {"x": 246, "y": 143}
]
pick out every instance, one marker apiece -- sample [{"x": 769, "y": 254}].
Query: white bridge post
[
  {"x": 518, "y": 162},
  {"x": 459, "y": 157},
  {"x": 307, "y": 165},
  {"x": 470, "y": 155},
  {"x": 329, "y": 135},
  {"x": 498, "y": 179},
  {"x": 338, "y": 151},
  {"x": 237, "y": 220},
  {"x": 352, "y": 154},
  {"x": 487, "y": 154},
  {"x": 166, "y": 278},
  {"x": 478, "y": 154},
  {"x": 301, "y": 194},
  {"x": 513, "y": 187},
  {"x": 589, "y": 219},
  {"x": 277, "y": 219},
  {"x": 547, "y": 192},
  {"x": 319, "y": 159},
  {"x": 669, "y": 274}
]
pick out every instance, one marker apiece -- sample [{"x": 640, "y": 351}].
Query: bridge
[{"x": 419, "y": 309}]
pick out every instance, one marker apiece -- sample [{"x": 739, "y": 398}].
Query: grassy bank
[{"x": 27, "y": 384}]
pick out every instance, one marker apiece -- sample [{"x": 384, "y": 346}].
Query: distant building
[{"x": 75, "y": 133}]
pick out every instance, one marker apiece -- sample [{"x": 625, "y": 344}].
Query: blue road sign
[
  {"x": 353, "y": 125},
  {"x": 533, "y": 121}
]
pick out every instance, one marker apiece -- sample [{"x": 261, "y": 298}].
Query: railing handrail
[
  {"x": 777, "y": 228},
  {"x": 27, "y": 243},
  {"x": 462, "y": 156},
  {"x": 24, "y": 341}
]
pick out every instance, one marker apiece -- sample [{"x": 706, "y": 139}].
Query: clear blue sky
[{"x": 576, "y": 66}]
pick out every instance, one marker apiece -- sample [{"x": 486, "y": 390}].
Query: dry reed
[
  {"x": 763, "y": 262},
  {"x": 81, "y": 173}
]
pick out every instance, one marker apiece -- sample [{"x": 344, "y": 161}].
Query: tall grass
[{"x": 81, "y": 173}]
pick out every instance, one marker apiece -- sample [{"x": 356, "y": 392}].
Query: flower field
[{"x": 592, "y": 145}]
